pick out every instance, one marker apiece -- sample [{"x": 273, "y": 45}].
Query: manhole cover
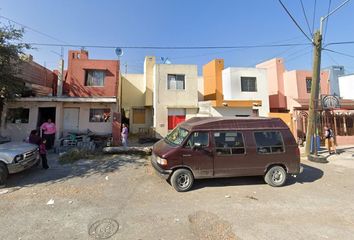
[{"x": 104, "y": 228}]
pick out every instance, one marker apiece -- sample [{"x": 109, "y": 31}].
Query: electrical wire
[
  {"x": 307, "y": 22},
  {"x": 34, "y": 30},
  {"x": 329, "y": 8},
  {"x": 293, "y": 19},
  {"x": 340, "y": 53},
  {"x": 170, "y": 47},
  {"x": 338, "y": 43}
]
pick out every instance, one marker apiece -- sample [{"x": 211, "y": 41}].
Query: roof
[{"x": 227, "y": 123}]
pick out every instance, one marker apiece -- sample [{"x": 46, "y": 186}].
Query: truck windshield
[{"x": 177, "y": 136}]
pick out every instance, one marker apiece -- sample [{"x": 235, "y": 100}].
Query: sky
[{"x": 179, "y": 23}]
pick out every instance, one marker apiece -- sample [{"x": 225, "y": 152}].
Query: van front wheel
[
  {"x": 275, "y": 176},
  {"x": 182, "y": 180}
]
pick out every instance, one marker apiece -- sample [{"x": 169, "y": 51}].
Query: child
[{"x": 43, "y": 153}]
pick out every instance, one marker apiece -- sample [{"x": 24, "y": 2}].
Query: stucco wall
[
  {"x": 165, "y": 98},
  {"x": 78, "y": 63},
  {"x": 232, "y": 86}
]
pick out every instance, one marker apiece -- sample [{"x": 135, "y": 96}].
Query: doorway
[{"x": 44, "y": 113}]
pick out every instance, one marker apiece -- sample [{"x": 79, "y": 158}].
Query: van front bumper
[
  {"x": 21, "y": 166},
  {"x": 163, "y": 173}
]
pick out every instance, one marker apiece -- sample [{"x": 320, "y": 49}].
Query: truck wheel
[
  {"x": 275, "y": 176},
  {"x": 3, "y": 174},
  {"x": 182, "y": 180}
]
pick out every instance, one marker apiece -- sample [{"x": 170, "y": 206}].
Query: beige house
[
  {"x": 156, "y": 101},
  {"x": 175, "y": 95},
  {"x": 70, "y": 114}
]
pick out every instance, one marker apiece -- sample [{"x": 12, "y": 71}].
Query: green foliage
[{"x": 11, "y": 50}]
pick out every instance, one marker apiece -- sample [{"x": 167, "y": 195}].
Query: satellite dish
[{"x": 119, "y": 52}]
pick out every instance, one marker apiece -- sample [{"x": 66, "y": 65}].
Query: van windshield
[{"x": 177, "y": 136}]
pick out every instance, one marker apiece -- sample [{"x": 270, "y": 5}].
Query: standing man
[
  {"x": 330, "y": 140},
  {"x": 49, "y": 130},
  {"x": 124, "y": 135}
]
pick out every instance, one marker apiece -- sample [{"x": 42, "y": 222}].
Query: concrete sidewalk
[{"x": 343, "y": 153}]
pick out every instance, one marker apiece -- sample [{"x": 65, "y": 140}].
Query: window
[
  {"x": 200, "y": 138},
  {"x": 100, "y": 115},
  {"x": 248, "y": 84},
  {"x": 308, "y": 84},
  {"x": 17, "y": 115},
  {"x": 177, "y": 136},
  {"x": 138, "y": 116},
  {"x": 269, "y": 142},
  {"x": 175, "y": 81},
  {"x": 229, "y": 143},
  {"x": 94, "y": 78}
]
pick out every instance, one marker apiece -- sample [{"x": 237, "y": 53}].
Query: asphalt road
[{"x": 120, "y": 197}]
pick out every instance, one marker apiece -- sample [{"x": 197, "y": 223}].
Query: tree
[{"x": 11, "y": 49}]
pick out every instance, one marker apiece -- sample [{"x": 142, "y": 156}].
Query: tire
[
  {"x": 276, "y": 176},
  {"x": 182, "y": 180},
  {"x": 3, "y": 174}
]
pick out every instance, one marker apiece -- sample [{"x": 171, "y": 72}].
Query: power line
[
  {"x": 307, "y": 22},
  {"x": 329, "y": 8},
  {"x": 314, "y": 16},
  {"x": 339, "y": 43},
  {"x": 170, "y": 47},
  {"x": 340, "y": 53},
  {"x": 34, "y": 30},
  {"x": 293, "y": 19}
]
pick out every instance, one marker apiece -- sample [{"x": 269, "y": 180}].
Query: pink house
[{"x": 289, "y": 92}]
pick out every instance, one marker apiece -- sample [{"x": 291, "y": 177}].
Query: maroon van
[{"x": 212, "y": 147}]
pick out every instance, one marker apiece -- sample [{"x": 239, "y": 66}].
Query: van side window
[
  {"x": 269, "y": 142},
  {"x": 229, "y": 143},
  {"x": 198, "y": 138}
]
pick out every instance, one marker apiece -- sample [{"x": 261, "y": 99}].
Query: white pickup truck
[{"x": 16, "y": 157}]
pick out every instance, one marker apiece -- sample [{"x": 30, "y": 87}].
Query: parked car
[
  {"x": 16, "y": 157},
  {"x": 227, "y": 147}
]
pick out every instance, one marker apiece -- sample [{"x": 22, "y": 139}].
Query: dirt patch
[
  {"x": 76, "y": 154},
  {"x": 209, "y": 226}
]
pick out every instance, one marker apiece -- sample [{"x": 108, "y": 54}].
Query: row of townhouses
[{"x": 95, "y": 96}]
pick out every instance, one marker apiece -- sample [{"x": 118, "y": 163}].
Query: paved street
[{"x": 319, "y": 204}]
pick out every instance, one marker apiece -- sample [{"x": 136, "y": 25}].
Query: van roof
[{"x": 232, "y": 123}]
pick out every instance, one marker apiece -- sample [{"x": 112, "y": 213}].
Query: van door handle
[{"x": 186, "y": 155}]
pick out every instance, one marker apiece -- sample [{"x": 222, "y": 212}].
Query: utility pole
[{"x": 315, "y": 84}]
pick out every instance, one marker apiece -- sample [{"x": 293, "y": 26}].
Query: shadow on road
[
  {"x": 82, "y": 169},
  {"x": 310, "y": 174}
]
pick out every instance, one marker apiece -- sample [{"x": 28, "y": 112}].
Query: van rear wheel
[
  {"x": 182, "y": 180},
  {"x": 275, "y": 176},
  {"x": 3, "y": 174}
]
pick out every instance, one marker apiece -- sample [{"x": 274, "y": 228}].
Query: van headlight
[
  {"x": 18, "y": 158},
  {"x": 161, "y": 161}
]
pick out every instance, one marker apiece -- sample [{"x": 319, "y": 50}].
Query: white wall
[
  {"x": 346, "y": 86},
  {"x": 165, "y": 98},
  {"x": 231, "y": 81}
]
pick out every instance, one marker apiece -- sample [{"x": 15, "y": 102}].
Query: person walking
[
  {"x": 43, "y": 153},
  {"x": 330, "y": 140},
  {"x": 49, "y": 130},
  {"x": 124, "y": 135}
]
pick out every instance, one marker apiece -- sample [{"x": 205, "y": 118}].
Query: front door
[
  {"x": 197, "y": 154},
  {"x": 71, "y": 119},
  {"x": 230, "y": 154}
]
